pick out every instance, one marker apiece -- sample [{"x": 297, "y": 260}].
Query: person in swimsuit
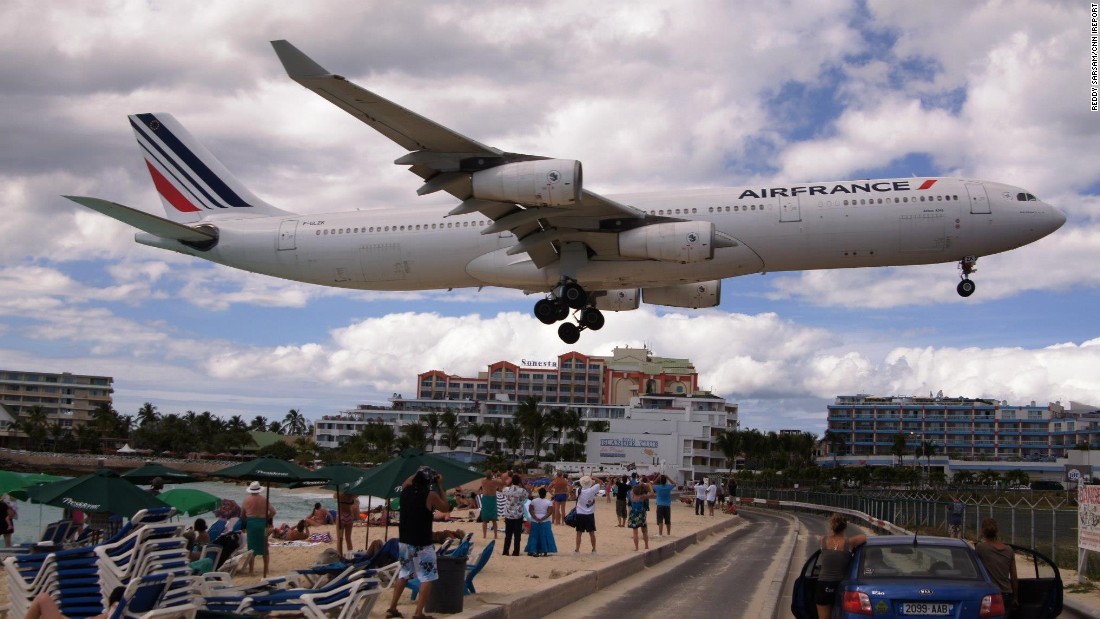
[
  {"x": 347, "y": 511},
  {"x": 488, "y": 491},
  {"x": 836, "y": 552},
  {"x": 559, "y": 489},
  {"x": 319, "y": 516},
  {"x": 256, "y": 511}
]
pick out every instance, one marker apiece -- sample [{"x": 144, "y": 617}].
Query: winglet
[{"x": 296, "y": 63}]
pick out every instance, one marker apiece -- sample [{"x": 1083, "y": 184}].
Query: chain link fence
[{"x": 1049, "y": 528}]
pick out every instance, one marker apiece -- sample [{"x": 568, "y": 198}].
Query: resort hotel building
[
  {"x": 657, "y": 417},
  {"x": 66, "y": 399}
]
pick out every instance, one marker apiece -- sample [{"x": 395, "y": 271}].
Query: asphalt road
[{"x": 733, "y": 576}]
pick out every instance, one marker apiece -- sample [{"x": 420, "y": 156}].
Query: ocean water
[{"x": 290, "y": 507}]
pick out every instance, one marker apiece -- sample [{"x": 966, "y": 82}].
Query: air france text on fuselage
[{"x": 828, "y": 190}]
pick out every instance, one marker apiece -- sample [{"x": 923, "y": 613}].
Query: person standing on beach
[
  {"x": 514, "y": 495},
  {"x": 622, "y": 497},
  {"x": 540, "y": 540},
  {"x": 347, "y": 511},
  {"x": 559, "y": 490},
  {"x": 586, "y": 510},
  {"x": 417, "y": 552},
  {"x": 700, "y": 497},
  {"x": 256, "y": 511},
  {"x": 639, "y": 494},
  {"x": 488, "y": 491},
  {"x": 663, "y": 491},
  {"x": 712, "y": 496}
]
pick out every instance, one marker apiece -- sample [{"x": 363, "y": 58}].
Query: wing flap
[{"x": 144, "y": 221}]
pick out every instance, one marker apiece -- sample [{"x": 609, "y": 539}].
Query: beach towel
[{"x": 320, "y": 538}]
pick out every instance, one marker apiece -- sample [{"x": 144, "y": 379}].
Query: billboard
[{"x": 1088, "y": 517}]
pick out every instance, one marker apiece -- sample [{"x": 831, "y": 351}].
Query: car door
[
  {"x": 802, "y": 597},
  {"x": 1040, "y": 586}
]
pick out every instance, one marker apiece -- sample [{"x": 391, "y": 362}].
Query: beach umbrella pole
[{"x": 366, "y": 537}]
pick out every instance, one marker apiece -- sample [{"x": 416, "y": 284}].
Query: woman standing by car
[
  {"x": 836, "y": 553},
  {"x": 1000, "y": 561}
]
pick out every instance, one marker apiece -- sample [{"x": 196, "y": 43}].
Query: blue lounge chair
[
  {"x": 473, "y": 570},
  {"x": 217, "y": 529}
]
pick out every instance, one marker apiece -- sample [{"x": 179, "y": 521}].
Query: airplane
[{"x": 528, "y": 222}]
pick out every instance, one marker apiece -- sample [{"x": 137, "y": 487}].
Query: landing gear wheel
[
  {"x": 966, "y": 288},
  {"x": 561, "y": 311},
  {"x": 574, "y": 296},
  {"x": 569, "y": 333},
  {"x": 592, "y": 318},
  {"x": 547, "y": 312}
]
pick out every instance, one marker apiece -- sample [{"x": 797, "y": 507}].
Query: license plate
[{"x": 925, "y": 608}]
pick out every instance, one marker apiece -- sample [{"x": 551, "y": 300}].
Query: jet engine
[
  {"x": 622, "y": 300},
  {"x": 544, "y": 182},
  {"x": 679, "y": 241},
  {"x": 699, "y": 294}
]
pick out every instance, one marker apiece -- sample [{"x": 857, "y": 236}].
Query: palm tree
[
  {"x": 729, "y": 443},
  {"x": 432, "y": 419},
  {"x": 513, "y": 436},
  {"x": 414, "y": 435},
  {"x": 294, "y": 423},
  {"x": 836, "y": 441},
  {"x": 477, "y": 430},
  {"x": 36, "y": 426},
  {"x": 533, "y": 423},
  {"x": 556, "y": 418},
  {"x": 898, "y": 448},
  {"x": 452, "y": 430},
  {"x": 258, "y": 424},
  {"x": 147, "y": 414}
]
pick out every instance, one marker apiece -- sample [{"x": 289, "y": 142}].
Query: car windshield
[{"x": 909, "y": 561}]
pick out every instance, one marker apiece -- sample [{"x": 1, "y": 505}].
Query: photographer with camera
[{"x": 417, "y": 552}]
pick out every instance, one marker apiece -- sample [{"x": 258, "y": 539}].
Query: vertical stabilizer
[{"x": 192, "y": 183}]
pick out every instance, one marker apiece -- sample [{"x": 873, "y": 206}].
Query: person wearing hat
[
  {"x": 586, "y": 509},
  {"x": 256, "y": 512},
  {"x": 414, "y": 530}
]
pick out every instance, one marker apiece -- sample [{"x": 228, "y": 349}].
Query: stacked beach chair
[{"x": 80, "y": 579}]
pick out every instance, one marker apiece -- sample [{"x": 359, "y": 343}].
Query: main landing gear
[
  {"x": 570, "y": 297},
  {"x": 966, "y": 265}
]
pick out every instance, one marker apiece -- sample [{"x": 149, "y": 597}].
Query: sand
[{"x": 504, "y": 576}]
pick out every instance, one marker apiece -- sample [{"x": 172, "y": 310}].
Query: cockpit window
[{"x": 1026, "y": 197}]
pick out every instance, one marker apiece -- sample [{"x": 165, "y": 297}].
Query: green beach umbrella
[
  {"x": 190, "y": 501},
  {"x": 385, "y": 480},
  {"x": 13, "y": 484},
  {"x": 102, "y": 491},
  {"x": 271, "y": 470},
  {"x": 146, "y": 473}
]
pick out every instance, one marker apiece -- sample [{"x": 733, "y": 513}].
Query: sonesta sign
[{"x": 531, "y": 363}]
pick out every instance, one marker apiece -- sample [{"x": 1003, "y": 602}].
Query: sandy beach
[{"x": 505, "y": 577}]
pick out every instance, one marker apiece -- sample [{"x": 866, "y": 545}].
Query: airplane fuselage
[{"x": 827, "y": 225}]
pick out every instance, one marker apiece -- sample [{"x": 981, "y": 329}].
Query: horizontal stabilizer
[{"x": 144, "y": 221}]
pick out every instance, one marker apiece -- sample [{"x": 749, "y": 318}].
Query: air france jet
[{"x": 527, "y": 222}]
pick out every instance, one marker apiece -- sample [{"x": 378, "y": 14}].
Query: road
[{"x": 737, "y": 575}]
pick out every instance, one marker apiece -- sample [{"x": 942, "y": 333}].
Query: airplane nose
[{"x": 1057, "y": 218}]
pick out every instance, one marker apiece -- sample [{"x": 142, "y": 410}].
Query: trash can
[{"x": 447, "y": 591}]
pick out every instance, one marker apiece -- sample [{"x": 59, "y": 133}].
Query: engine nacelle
[
  {"x": 621, "y": 300},
  {"x": 679, "y": 241},
  {"x": 545, "y": 182},
  {"x": 700, "y": 294}
]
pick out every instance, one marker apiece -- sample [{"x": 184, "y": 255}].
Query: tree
[
  {"x": 899, "y": 447},
  {"x": 278, "y": 449},
  {"x": 432, "y": 420},
  {"x": 963, "y": 479},
  {"x": 477, "y": 430},
  {"x": 452, "y": 430},
  {"x": 36, "y": 426},
  {"x": 729, "y": 443},
  {"x": 258, "y": 424},
  {"x": 294, "y": 423},
  {"x": 836, "y": 441},
  {"x": 414, "y": 435},
  {"x": 534, "y": 424},
  {"x": 512, "y": 435},
  {"x": 147, "y": 414}
]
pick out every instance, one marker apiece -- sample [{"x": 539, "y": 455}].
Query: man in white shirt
[
  {"x": 700, "y": 497},
  {"x": 712, "y": 496},
  {"x": 586, "y": 509}
]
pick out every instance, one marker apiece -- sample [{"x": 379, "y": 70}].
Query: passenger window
[
  {"x": 694, "y": 211},
  {"x": 905, "y": 199},
  {"x": 710, "y": 210},
  {"x": 318, "y": 233}
]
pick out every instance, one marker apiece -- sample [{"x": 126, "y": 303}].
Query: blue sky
[{"x": 648, "y": 95}]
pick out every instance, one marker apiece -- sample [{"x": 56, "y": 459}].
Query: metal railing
[{"x": 1050, "y": 529}]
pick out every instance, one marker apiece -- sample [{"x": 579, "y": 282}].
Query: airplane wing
[
  {"x": 144, "y": 221},
  {"x": 446, "y": 161}
]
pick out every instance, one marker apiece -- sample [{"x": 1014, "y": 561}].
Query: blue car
[{"x": 918, "y": 576}]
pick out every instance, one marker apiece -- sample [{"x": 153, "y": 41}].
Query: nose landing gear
[
  {"x": 966, "y": 265},
  {"x": 570, "y": 296}
]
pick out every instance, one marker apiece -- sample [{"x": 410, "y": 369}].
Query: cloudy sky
[{"x": 649, "y": 95}]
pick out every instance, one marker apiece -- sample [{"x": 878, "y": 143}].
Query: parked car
[{"x": 924, "y": 576}]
